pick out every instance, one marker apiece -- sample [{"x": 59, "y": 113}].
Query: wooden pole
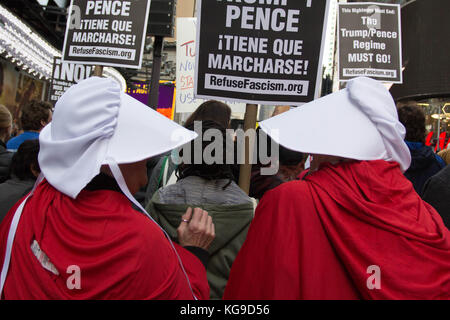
[
  {"x": 98, "y": 71},
  {"x": 251, "y": 112},
  {"x": 156, "y": 71}
]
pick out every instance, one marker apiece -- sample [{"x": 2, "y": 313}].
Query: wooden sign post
[
  {"x": 98, "y": 71},
  {"x": 245, "y": 171}
]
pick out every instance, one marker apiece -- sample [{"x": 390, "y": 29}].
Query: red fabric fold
[
  {"x": 121, "y": 254},
  {"x": 317, "y": 238}
]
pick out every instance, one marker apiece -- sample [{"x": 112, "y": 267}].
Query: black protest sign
[
  {"x": 107, "y": 32},
  {"x": 260, "y": 51},
  {"x": 369, "y": 41},
  {"x": 65, "y": 75}
]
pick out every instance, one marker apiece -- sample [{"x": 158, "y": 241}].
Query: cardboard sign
[
  {"x": 186, "y": 36},
  {"x": 266, "y": 51},
  {"x": 108, "y": 33},
  {"x": 65, "y": 75},
  {"x": 369, "y": 41},
  {"x": 186, "y": 54}
]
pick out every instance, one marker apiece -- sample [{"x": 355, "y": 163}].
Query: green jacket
[{"x": 231, "y": 223}]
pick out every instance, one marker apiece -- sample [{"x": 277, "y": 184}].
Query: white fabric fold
[
  {"x": 377, "y": 103},
  {"x": 359, "y": 122},
  {"x": 74, "y": 145}
]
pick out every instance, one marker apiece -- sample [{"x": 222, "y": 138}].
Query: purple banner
[{"x": 165, "y": 98}]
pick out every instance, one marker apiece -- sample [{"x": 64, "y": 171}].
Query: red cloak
[
  {"x": 320, "y": 238},
  {"x": 120, "y": 253}
]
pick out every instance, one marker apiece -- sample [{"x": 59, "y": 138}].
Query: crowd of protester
[{"x": 100, "y": 183}]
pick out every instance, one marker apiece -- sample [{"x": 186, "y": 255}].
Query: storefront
[
  {"x": 426, "y": 75},
  {"x": 437, "y": 112},
  {"x": 26, "y": 63}
]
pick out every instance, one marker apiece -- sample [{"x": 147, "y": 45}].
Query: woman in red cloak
[
  {"x": 76, "y": 235},
  {"x": 353, "y": 227}
]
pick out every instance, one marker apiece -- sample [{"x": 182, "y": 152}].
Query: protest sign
[
  {"x": 186, "y": 53},
  {"x": 369, "y": 41},
  {"x": 185, "y": 33},
  {"x": 109, "y": 32},
  {"x": 266, "y": 51},
  {"x": 65, "y": 75}
]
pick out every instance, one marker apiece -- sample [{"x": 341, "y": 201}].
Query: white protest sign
[{"x": 186, "y": 53}]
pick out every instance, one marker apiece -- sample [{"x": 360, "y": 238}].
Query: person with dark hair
[
  {"x": 212, "y": 171},
  {"x": 424, "y": 162},
  {"x": 290, "y": 163},
  {"x": 35, "y": 115},
  {"x": 163, "y": 172},
  {"x": 211, "y": 110},
  {"x": 5, "y": 134},
  {"x": 24, "y": 170},
  {"x": 211, "y": 186}
]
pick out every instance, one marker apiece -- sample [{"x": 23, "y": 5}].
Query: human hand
[{"x": 196, "y": 229}]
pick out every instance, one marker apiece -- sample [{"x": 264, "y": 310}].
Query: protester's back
[
  {"x": 212, "y": 188},
  {"x": 349, "y": 229},
  {"x": 76, "y": 235}
]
